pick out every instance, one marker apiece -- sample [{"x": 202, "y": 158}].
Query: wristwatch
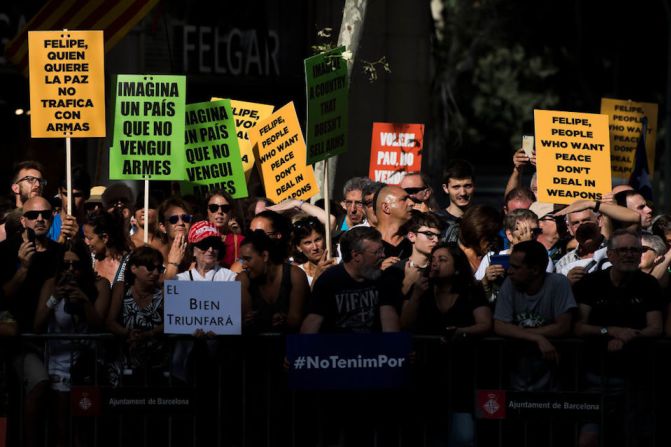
[{"x": 603, "y": 331}]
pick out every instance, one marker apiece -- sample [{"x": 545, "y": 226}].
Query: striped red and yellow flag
[{"x": 114, "y": 17}]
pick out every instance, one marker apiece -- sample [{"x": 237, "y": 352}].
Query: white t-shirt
[{"x": 216, "y": 274}]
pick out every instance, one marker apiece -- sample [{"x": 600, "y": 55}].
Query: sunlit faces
[
  {"x": 37, "y": 215},
  {"x": 218, "y": 211},
  {"x": 206, "y": 252},
  {"x": 648, "y": 257},
  {"x": 637, "y": 203},
  {"x": 518, "y": 204},
  {"x": 520, "y": 228},
  {"x": 550, "y": 235},
  {"x": 424, "y": 239},
  {"x": 369, "y": 209},
  {"x": 29, "y": 183},
  {"x": 353, "y": 205},
  {"x": 312, "y": 246},
  {"x": 177, "y": 221},
  {"x": 265, "y": 225},
  {"x": 460, "y": 191},
  {"x": 442, "y": 264},
  {"x": 139, "y": 217},
  {"x": 398, "y": 203},
  {"x": 574, "y": 220},
  {"x": 415, "y": 187},
  {"x": 254, "y": 263},
  {"x": 96, "y": 243}
]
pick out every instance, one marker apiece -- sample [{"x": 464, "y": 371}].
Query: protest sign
[
  {"x": 246, "y": 115},
  {"x": 395, "y": 150},
  {"x": 624, "y": 123},
  {"x": 281, "y": 156},
  {"x": 148, "y": 128},
  {"x": 572, "y": 156},
  {"x": 501, "y": 404},
  {"x": 326, "y": 83},
  {"x": 67, "y": 76},
  {"x": 211, "y": 150},
  {"x": 207, "y": 305},
  {"x": 348, "y": 361}
]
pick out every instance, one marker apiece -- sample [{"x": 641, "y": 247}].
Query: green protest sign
[
  {"x": 326, "y": 81},
  {"x": 148, "y": 128},
  {"x": 212, "y": 151}
]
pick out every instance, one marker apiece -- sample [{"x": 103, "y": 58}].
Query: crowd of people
[{"x": 530, "y": 271}]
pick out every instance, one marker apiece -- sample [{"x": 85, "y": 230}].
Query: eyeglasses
[
  {"x": 213, "y": 208},
  {"x": 32, "y": 180},
  {"x": 205, "y": 244},
  {"x": 417, "y": 190},
  {"x": 76, "y": 265},
  {"x": 305, "y": 223},
  {"x": 32, "y": 215},
  {"x": 186, "y": 218},
  {"x": 353, "y": 203},
  {"x": 628, "y": 250},
  {"x": 429, "y": 234},
  {"x": 151, "y": 267},
  {"x": 75, "y": 195}
]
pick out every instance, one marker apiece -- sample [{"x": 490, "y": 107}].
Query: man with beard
[
  {"x": 27, "y": 260},
  {"x": 352, "y": 203},
  {"x": 354, "y": 296},
  {"x": 27, "y": 182},
  {"x": 459, "y": 185}
]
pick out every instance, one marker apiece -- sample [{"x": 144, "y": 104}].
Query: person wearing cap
[
  {"x": 94, "y": 204},
  {"x": 118, "y": 198},
  {"x": 66, "y": 225},
  {"x": 551, "y": 227},
  {"x": 208, "y": 249}
]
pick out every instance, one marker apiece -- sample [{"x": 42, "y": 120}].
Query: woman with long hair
[
  {"x": 109, "y": 243},
  {"x": 223, "y": 213}
]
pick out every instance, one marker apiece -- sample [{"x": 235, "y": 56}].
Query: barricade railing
[{"x": 233, "y": 391}]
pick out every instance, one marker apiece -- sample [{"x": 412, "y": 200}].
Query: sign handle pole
[
  {"x": 146, "y": 211},
  {"x": 327, "y": 208},
  {"x": 68, "y": 173}
]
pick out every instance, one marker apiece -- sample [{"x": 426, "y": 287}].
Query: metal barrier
[{"x": 233, "y": 391}]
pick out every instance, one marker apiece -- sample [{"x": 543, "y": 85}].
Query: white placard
[{"x": 210, "y": 306}]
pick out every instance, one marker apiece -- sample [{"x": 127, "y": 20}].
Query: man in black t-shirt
[{"x": 354, "y": 296}]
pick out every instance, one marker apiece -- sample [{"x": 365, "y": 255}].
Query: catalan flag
[{"x": 114, "y": 17}]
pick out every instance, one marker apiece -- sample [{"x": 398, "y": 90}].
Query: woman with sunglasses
[
  {"x": 222, "y": 213},
  {"x": 136, "y": 313},
  {"x": 273, "y": 292},
  {"x": 109, "y": 245},
  {"x": 175, "y": 218},
  {"x": 309, "y": 246},
  {"x": 75, "y": 301},
  {"x": 207, "y": 249},
  {"x": 448, "y": 302}
]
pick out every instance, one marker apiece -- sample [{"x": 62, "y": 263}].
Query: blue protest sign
[{"x": 348, "y": 361}]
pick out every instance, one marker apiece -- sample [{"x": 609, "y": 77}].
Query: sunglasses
[
  {"x": 32, "y": 215},
  {"x": 151, "y": 267},
  {"x": 186, "y": 218},
  {"x": 213, "y": 208},
  {"x": 205, "y": 244},
  {"x": 412, "y": 191},
  {"x": 76, "y": 265}
]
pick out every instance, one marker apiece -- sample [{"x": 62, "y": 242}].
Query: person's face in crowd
[
  {"x": 218, "y": 212},
  {"x": 139, "y": 217},
  {"x": 147, "y": 274},
  {"x": 206, "y": 252},
  {"x": 460, "y": 191},
  {"x": 398, "y": 204},
  {"x": 626, "y": 253},
  {"x": 369, "y": 209},
  {"x": 520, "y": 274},
  {"x": 648, "y": 257},
  {"x": 522, "y": 228},
  {"x": 418, "y": 191},
  {"x": 77, "y": 198},
  {"x": 177, "y": 221},
  {"x": 37, "y": 215},
  {"x": 369, "y": 259},
  {"x": 442, "y": 264},
  {"x": 121, "y": 207},
  {"x": 550, "y": 235},
  {"x": 637, "y": 203},
  {"x": 96, "y": 243},
  {"x": 72, "y": 263},
  {"x": 517, "y": 204},
  {"x": 574, "y": 220},
  {"x": 424, "y": 239},
  {"x": 29, "y": 183},
  {"x": 312, "y": 247},
  {"x": 353, "y": 204},
  {"x": 265, "y": 225},
  {"x": 254, "y": 263}
]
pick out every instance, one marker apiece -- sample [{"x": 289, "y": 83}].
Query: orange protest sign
[
  {"x": 395, "y": 150},
  {"x": 572, "y": 156},
  {"x": 247, "y": 115},
  {"x": 67, "y": 76},
  {"x": 624, "y": 123},
  {"x": 281, "y": 155}
]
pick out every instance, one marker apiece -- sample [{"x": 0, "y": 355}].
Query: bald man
[{"x": 392, "y": 209}]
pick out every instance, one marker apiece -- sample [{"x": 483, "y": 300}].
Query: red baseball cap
[{"x": 202, "y": 230}]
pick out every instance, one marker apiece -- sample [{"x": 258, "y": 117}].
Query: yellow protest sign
[
  {"x": 624, "y": 121},
  {"x": 246, "y": 115},
  {"x": 572, "y": 156},
  {"x": 67, "y": 77},
  {"x": 282, "y": 155}
]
